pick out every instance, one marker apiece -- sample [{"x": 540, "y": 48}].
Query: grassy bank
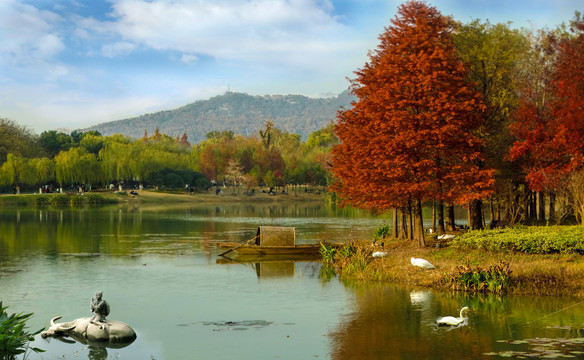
[
  {"x": 58, "y": 200},
  {"x": 527, "y": 260},
  {"x": 150, "y": 196}
]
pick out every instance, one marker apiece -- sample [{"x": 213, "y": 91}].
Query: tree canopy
[{"x": 411, "y": 136}]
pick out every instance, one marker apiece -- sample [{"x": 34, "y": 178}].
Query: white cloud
[
  {"x": 117, "y": 49},
  {"x": 189, "y": 58},
  {"x": 301, "y": 32},
  {"x": 28, "y": 34}
]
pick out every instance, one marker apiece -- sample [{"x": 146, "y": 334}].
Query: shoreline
[
  {"x": 555, "y": 274},
  {"x": 160, "y": 197}
]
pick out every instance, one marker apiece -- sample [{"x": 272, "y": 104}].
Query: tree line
[
  {"x": 56, "y": 160},
  {"x": 470, "y": 114}
]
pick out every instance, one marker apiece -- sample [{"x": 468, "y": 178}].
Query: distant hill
[{"x": 241, "y": 113}]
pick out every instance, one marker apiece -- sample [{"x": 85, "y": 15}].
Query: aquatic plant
[
  {"x": 495, "y": 279},
  {"x": 349, "y": 260},
  {"x": 14, "y": 337},
  {"x": 327, "y": 253},
  {"x": 382, "y": 232}
]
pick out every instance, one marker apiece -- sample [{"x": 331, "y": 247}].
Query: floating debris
[
  {"x": 543, "y": 348},
  {"x": 237, "y": 325}
]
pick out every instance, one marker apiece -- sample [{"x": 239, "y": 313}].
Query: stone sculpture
[{"x": 94, "y": 329}]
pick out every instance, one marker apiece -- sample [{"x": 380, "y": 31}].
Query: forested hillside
[{"x": 238, "y": 112}]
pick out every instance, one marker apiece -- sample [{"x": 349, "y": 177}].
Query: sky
[{"x": 70, "y": 64}]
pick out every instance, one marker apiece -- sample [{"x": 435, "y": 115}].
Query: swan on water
[
  {"x": 451, "y": 320},
  {"x": 422, "y": 263}
]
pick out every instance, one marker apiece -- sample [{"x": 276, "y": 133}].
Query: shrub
[
  {"x": 495, "y": 279},
  {"x": 382, "y": 232},
  {"x": 14, "y": 338},
  {"x": 41, "y": 200},
  {"x": 77, "y": 200},
  {"x": 60, "y": 200},
  {"x": 531, "y": 240}
]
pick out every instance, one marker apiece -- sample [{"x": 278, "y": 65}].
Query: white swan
[
  {"x": 446, "y": 237},
  {"x": 421, "y": 263},
  {"x": 451, "y": 320},
  {"x": 379, "y": 254}
]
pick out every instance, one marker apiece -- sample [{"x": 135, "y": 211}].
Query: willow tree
[
  {"x": 78, "y": 166},
  {"x": 410, "y": 136}
]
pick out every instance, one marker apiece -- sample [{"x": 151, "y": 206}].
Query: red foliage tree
[
  {"x": 410, "y": 137},
  {"x": 550, "y": 136}
]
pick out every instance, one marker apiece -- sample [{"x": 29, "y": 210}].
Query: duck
[
  {"x": 422, "y": 263},
  {"x": 451, "y": 320}
]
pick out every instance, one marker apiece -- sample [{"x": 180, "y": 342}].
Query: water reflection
[
  {"x": 398, "y": 323},
  {"x": 161, "y": 272}
]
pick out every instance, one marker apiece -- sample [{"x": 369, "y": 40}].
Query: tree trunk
[
  {"x": 450, "y": 217},
  {"x": 541, "y": 207},
  {"x": 440, "y": 229},
  {"x": 433, "y": 216},
  {"x": 403, "y": 231},
  {"x": 418, "y": 224},
  {"x": 411, "y": 220},
  {"x": 552, "y": 210},
  {"x": 476, "y": 213},
  {"x": 532, "y": 207},
  {"x": 395, "y": 224}
]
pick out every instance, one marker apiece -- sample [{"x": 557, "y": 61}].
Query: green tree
[
  {"x": 78, "y": 166},
  {"x": 494, "y": 56},
  {"x": 17, "y": 140}
]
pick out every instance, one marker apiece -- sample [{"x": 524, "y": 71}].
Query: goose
[
  {"x": 421, "y": 263},
  {"x": 451, "y": 320}
]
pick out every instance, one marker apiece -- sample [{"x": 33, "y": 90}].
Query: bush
[
  {"x": 14, "y": 338},
  {"x": 382, "y": 232},
  {"x": 60, "y": 200},
  {"x": 531, "y": 240},
  {"x": 78, "y": 200},
  {"x": 495, "y": 279},
  {"x": 41, "y": 200}
]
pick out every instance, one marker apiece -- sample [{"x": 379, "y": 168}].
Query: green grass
[{"x": 57, "y": 200}]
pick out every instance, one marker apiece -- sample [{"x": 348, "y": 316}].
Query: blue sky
[{"x": 69, "y": 64}]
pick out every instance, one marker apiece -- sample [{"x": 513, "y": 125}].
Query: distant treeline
[{"x": 54, "y": 160}]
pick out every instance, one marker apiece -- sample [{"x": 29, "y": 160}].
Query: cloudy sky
[{"x": 69, "y": 64}]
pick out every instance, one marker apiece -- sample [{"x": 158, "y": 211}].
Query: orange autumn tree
[
  {"x": 550, "y": 134},
  {"x": 411, "y": 135}
]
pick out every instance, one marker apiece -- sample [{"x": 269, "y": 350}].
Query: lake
[{"x": 158, "y": 268}]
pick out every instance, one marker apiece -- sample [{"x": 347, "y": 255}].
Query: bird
[
  {"x": 446, "y": 237},
  {"x": 379, "y": 254},
  {"x": 451, "y": 320},
  {"x": 421, "y": 263}
]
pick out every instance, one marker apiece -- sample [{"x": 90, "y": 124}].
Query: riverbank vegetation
[
  {"x": 14, "y": 335},
  {"x": 516, "y": 261}
]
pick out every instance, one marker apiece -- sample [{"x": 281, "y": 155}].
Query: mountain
[{"x": 238, "y": 112}]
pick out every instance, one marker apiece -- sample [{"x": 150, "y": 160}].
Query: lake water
[{"x": 159, "y": 271}]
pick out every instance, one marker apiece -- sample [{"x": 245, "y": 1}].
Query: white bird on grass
[
  {"x": 451, "y": 320},
  {"x": 379, "y": 254},
  {"x": 446, "y": 237},
  {"x": 421, "y": 263}
]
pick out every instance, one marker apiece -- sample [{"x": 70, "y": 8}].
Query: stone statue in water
[{"x": 93, "y": 329}]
